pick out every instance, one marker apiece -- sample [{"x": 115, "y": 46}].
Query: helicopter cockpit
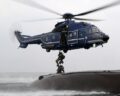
[
  {"x": 88, "y": 28},
  {"x": 95, "y": 29}
]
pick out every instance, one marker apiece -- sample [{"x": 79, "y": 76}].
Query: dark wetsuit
[
  {"x": 60, "y": 58},
  {"x": 60, "y": 69},
  {"x": 63, "y": 39}
]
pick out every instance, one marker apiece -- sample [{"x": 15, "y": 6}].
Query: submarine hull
[{"x": 81, "y": 81}]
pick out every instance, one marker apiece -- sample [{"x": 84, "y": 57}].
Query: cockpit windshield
[{"x": 95, "y": 29}]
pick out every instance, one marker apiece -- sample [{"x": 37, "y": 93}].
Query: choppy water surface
[{"x": 19, "y": 84}]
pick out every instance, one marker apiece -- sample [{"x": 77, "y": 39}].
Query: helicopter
[{"x": 68, "y": 34}]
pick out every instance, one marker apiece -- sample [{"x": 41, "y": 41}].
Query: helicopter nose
[{"x": 105, "y": 38}]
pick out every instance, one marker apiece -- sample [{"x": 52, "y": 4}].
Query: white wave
[
  {"x": 18, "y": 77},
  {"x": 57, "y": 93}
]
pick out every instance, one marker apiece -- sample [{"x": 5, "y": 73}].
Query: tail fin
[{"x": 21, "y": 39}]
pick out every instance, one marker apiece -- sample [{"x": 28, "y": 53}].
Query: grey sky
[{"x": 34, "y": 58}]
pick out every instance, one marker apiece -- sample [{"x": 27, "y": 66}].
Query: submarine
[{"x": 106, "y": 81}]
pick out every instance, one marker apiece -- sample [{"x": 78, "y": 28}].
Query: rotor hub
[{"x": 68, "y": 16}]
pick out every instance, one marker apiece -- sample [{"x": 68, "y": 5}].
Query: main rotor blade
[
  {"x": 37, "y": 20},
  {"x": 100, "y": 8},
  {"x": 85, "y": 19},
  {"x": 34, "y": 4}
]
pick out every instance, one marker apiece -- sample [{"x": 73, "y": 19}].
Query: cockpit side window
[{"x": 83, "y": 30}]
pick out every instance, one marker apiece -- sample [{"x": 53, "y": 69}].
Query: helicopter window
[
  {"x": 70, "y": 35},
  {"x": 80, "y": 34},
  {"x": 89, "y": 30},
  {"x": 73, "y": 35},
  {"x": 83, "y": 30},
  {"x": 46, "y": 39},
  {"x": 95, "y": 29},
  {"x": 53, "y": 37}
]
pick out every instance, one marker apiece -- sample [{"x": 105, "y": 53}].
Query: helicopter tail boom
[{"x": 24, "y": 40}]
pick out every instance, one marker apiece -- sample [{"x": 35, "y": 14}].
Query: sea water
[{"x": 19, "y": 84}]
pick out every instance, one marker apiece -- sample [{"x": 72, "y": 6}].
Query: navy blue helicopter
[{"x": 68, "y": 35}]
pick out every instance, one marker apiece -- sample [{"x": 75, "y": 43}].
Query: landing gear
[
  {"x": 65, "y": 50},
  {"x": 59, "y": 62},
  {"x": 87, "y": 47},
  {"x": 47, "y": 50}
]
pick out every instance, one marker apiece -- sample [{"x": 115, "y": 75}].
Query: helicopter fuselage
[{"x": 67, "y": 35}]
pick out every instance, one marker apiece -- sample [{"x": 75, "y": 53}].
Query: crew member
[
  {"x": 60, "y": 58},
  {"x": 60, "y": 69},
  {"x": 63, "y": 39}
]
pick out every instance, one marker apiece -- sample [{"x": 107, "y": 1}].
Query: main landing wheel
[
  {"x": 65, "y": 50},
  {"x": 47, "y": 50}
]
